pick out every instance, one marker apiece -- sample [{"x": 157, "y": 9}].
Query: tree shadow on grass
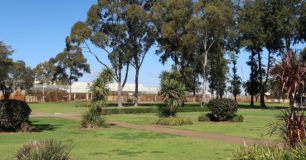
[
  {"x": 141, "y": 135},
  {"x": 126, "y": 152},
  {"x": 44, "y": 127}
]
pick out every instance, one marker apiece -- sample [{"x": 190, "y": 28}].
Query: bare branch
[{"x": 126, "y": 74}]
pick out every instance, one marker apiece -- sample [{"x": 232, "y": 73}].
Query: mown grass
[
  {"x": 255, "y": 125},
  {"x": 256, "y": 122},
  {"x": 115, "y": 143},
  {"x": 58, "y": 107}
]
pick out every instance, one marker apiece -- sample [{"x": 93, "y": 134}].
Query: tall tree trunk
[
  {"x": 43, "y": 94},
  {"x": 261, "y": 86},
  {"x": 235, "y": 98},
  {"x": 119, "y": 97},
  {"x": 268, "y": 69},
  {"x": 204, "y": 79},
  {"x": 119, "y": 93},
  {"x": 14, "y": 85},
  {"x": 252, "y": 101},
  {"x": 69, "y": 97},
  {"x": 136, "y": 86},
  {"x": 252, "y": 79}
]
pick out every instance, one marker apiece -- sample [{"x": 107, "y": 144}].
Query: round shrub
[
  {"x": 13, "y": 115},
  {"x": 222, "y": 109},
  {"x": 92, "y": 118},
  {"x": 237, "y": 118},
  {"x": 204, "y": 117},
  {"x": 174, "y": 121},
  {"x": 44, "y": 150},
  {"x": 164, "y": 111}
]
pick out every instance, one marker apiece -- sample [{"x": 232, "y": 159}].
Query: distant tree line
[
  {"x": 197, "y": 36},
  {"x": 203, "y": 38},
  {"x": 13, "y": 74}
]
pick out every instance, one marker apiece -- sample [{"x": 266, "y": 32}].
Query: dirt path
[
  {"x": 168, "y": 130},
  {"x": 196, "y": 134}
]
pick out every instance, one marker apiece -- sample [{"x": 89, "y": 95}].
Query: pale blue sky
[{"x": 36, "y": 30}]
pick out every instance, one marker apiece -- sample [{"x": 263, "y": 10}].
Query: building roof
[{"x": 83, "y": 87}]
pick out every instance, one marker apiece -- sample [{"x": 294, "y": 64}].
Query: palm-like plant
[
  {"x": 172, "y": 91},
  {"x": 99, "y": 87},
  {"x": 291, "y": 73}
]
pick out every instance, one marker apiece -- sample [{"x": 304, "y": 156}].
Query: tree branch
[
  {"x": 126, "y": 74},
  {"x": 97, "y": 58}
]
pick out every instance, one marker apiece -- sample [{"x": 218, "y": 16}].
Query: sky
[{"x": 36, "y": 30}]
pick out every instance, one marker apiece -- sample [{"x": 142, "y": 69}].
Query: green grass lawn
[
  {"x": 58, "y": 107},
  {"x": 255, "y": 125},
  {"x": 116, "y": 143}
]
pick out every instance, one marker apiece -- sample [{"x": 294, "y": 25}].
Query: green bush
[
  {"x": 129, "y": 101},
  {"x": 204, "y": 117},
  {"x": 92, "y": 118},
  {"x": 44, "y": 150},
  {"x": 174, "y": 121},
  {"x": 237, "y": 118},
  {"x": 222, "y": 109},
  {"x": 255, "y": 152},
  {"x": 164, "y": 111},
  {"x": 13, "y": 114},
  {"x": 298, "y": 152},
  {"x": 209, "y": 117}
]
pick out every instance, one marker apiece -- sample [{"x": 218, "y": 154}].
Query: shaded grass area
[{"x": 116, "y": 143}]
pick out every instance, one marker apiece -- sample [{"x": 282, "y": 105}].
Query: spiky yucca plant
[
  {"x": 292, "y": 74},
  {"x": 172, "y": 91}
]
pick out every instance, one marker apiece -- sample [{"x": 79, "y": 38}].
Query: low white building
[{"x": 83, "y": 87}]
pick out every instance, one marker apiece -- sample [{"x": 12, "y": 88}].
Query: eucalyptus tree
[
  {"x": 208, "y": 25},
  {"x": 70, "y": 65},
  {"x": 235, "y": 82},
  {"x": 217, "y": 70},
  {"x": 142, "y": 36},
  {"x": 271, "y": 22},
  {"x": 175, "y": 41},
  {"x": 289, "y": 18},
  {"x": 45, "y": 72},
  {"x": 171, "y": 18},
  {"x": 302, "y": 22},
  {"x": 253, "y": 36},
  {"x": 5, "y": 60},
  {"x": 21, "y": 76},
  {"x": 105, "y": 27},
  {"x": 5, "y": 64}
]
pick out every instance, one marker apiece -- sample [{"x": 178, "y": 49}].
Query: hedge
[{"x": 107, "y": 111}]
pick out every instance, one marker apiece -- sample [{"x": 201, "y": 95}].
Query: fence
[{"x": 17, "y": 96}]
